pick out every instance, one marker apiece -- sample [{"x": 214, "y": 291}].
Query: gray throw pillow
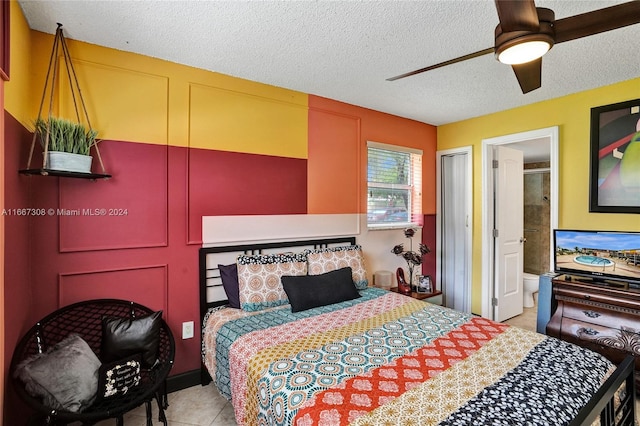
[{"x": 65, "y": 377}]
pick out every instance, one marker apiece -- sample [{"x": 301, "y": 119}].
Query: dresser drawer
[
  {"x": 605, "y": 316},
  {"x": 579, "y": 331}
]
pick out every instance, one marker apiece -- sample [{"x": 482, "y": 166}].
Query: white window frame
[{"x": 414, "y": 187}]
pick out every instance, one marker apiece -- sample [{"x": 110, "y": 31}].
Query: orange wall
[{"x": 338, "y": 141}]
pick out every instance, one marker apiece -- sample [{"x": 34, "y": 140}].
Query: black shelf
[{"x": 77, "y": 175}]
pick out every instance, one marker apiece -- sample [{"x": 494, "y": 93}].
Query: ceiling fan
[{"x": 526, "y": 32}]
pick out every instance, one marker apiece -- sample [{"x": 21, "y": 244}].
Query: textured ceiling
[{"x": 345, "y": 50}]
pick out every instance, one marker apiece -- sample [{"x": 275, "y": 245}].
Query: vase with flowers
[{"x": 412, "y": 258}]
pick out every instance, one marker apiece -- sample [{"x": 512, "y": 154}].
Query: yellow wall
[
  {"x": 137, "y": 98},
  {"x": 18, "y": 91},
  {"x": 572, "y": 115}
]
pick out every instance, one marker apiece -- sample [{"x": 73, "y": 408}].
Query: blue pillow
[{"x": 229, "y": 277}]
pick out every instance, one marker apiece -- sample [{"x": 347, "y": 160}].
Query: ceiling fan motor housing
[{"x": 545, "y": 33}]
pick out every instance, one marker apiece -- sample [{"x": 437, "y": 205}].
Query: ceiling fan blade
[
  {"x": 445, "y": 63},
  {"x": 597, "y": 21},
  {"x": 529, "y": 75},
  {"x": 517, "y": 15}
]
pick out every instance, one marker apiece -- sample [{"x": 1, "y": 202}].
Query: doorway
[
  {"x": 454, "y": 229},
  {"x": 537, "y": 146}
]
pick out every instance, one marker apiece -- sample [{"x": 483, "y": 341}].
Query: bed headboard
[{"x": 211, "y": 291}]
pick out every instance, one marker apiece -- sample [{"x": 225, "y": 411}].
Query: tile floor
[
  {"x": 526, "y": 320},
  {"x": 194, "y": 406}
]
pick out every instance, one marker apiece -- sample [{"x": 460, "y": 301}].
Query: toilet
[{"x": 530, "y": 286}]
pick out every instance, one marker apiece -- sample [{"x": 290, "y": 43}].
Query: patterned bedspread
[{"x": 386, "y": 359}]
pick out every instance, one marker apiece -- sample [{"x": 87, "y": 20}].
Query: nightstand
[{"x": 435, "y": 297}]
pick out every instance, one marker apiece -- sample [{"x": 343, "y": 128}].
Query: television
[{"x": 602, "y": 256}]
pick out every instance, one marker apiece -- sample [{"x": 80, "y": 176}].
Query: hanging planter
[
  {"x": 68, "y": 162},
  {"x": 69, "y": 144},
  {"x": 66, "y": 144}
]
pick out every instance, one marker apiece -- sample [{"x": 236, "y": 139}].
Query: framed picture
[
  {"x": 615, "y": 158},
  {"x": 424, "y": 284}
]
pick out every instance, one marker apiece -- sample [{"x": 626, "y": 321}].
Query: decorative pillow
[
  {"x": 65, "y": 377},
  {"x": 312, "y": 291},
  {"x": 229, "y": 277},
  {"x": 332, "y": 258},
  {"x": 259, "y": 278},
  {"x": 118, "y": 377},
  {"x": 123, "y": 337}
]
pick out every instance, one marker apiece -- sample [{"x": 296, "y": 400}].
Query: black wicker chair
[{"x": 85, "y": 319}]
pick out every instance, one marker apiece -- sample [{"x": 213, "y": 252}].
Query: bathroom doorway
[
  {"x": 537, "y": 217},
  {"x": 538, "y": 146}
]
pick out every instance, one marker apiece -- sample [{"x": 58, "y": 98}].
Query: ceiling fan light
[{"x": 524, "y": 52}]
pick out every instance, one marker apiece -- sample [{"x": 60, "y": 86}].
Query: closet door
[{"x": 455, "y": 232}]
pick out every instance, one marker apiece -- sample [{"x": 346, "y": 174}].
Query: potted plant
[{"x": 67, "y": 144}]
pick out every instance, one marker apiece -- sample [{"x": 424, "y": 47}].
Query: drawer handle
[
  {"x": 591, "y": 314},
  {"x": 588, "y": 331}
]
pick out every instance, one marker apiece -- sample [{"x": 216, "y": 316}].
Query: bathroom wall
[{"x": 537, "y": 218}]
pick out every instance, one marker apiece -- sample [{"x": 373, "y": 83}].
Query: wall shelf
[
  {"x": 49, "y": 172},
  {"x": 64, "y": 136}
]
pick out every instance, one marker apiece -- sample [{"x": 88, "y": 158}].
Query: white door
[
  {"x": 508, "y": 232},
  {"x": 455, "y": 237}
]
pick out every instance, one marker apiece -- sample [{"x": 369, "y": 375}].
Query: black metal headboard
[{"x": 211, "y": 290}]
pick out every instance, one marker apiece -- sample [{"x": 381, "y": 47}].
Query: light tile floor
[
  {"x": 194, "y": 406},
  {"x": 526, "y": 320}
]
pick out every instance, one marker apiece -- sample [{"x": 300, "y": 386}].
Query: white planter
[{"x": 65, "y": 161}]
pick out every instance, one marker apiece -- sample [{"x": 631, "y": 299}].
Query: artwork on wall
[{"x": 615, "y": 158}]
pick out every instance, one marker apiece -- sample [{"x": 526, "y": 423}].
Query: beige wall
[{"x": 572, "y": 115}]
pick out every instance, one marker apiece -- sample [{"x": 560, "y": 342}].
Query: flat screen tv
[{"x": 600, "y": 255}]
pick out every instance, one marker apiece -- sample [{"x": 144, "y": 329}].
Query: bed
[{"x": 381, "y": 358}]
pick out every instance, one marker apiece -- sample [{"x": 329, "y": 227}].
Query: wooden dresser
[{"x": 604, "y": 317}]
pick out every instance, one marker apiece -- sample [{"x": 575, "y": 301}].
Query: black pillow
[
  {"x": 123, "y": 337},
  {"x": 229, "y": 277},
  {"x": 311, "y": 291},
  {"x": 118, "y": 377}
]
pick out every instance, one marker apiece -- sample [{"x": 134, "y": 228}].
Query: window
[{"x": 394, "y": 185}]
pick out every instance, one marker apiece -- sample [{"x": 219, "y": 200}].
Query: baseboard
[{"x": 183, "y": 381}]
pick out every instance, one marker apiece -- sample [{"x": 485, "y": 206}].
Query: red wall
[
  {"x": 136, "y": 236},
  {"x": 229, "y": 183},
  {"x": 145, "y": 247},
  {"x": 18, "y": 295},
  {"x": 429, "y": 239}
]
